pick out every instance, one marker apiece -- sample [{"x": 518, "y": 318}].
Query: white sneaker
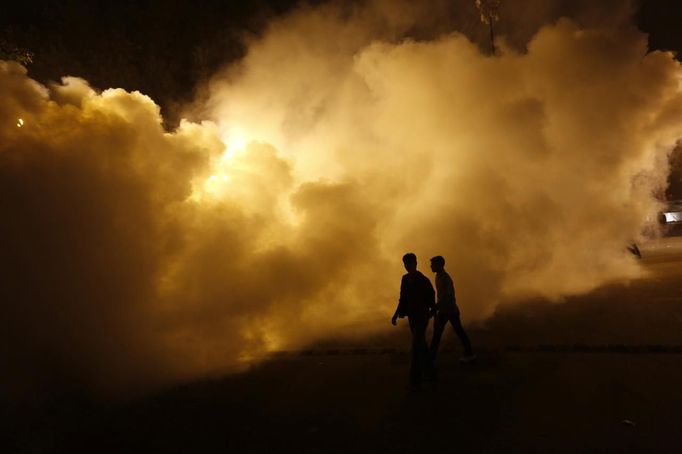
[{"x": 467, "y": 359}]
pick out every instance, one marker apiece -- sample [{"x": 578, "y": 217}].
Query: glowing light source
[
  {"x": 235, "y": 141},
  {"x": 20, "y": 122},
  {"x": 215, "y": 184}
]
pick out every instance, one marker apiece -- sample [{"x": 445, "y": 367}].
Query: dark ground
[
  {"x": 600, "y": 373},
  {"x": 529, "y": 402},
  {"x": 525, "y": 402}
]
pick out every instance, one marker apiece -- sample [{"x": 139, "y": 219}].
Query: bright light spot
[
  {"x": 216, "y": 184},
  {"x": 227, "y": 155},
  {"x": 20, "y": 122},
  {"x": 235, "y": 141},
  {"x": 220, "y": 183}
]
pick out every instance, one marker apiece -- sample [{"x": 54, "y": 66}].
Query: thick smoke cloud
[
  {"x": 530, "y": 171},
  {"x": 118, "y": 271},
  {"x": 136, "y": 256}
]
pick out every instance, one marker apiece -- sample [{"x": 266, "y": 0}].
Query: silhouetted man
[
  {"x": 417, "y": 303},
  {"x": 447, "y": 311}
]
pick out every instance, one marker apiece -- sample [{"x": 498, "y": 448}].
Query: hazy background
[{"x": 138, "y": 253}]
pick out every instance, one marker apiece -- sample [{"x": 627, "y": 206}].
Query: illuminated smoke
[
  {"x": 529, "y": 172},
  {"x": 137, "y": 256}
]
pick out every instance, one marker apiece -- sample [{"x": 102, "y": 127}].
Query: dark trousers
[
  {"x": 439, "y": 325},
  {"x": 421, "y": 362}
]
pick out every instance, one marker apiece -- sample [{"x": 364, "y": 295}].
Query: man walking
[
  {"x": 417, "y": 303},
  {"x": 447, "y": 311}
]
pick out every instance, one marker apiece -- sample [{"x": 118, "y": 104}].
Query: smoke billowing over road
[{"x": 134, "y": 255}]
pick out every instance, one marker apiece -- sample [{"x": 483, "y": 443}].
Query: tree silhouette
[
  {"x": 489, "y": 15},
  {"x": 10, "y": 51}
]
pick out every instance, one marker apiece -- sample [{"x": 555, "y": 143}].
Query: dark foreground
[
  {"x": 511, "y": 402},
  {"x": 600, "y": 373}
]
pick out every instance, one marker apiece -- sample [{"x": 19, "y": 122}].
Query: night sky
[{"x": 161, "y": 48}]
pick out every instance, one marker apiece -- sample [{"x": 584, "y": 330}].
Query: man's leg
[
  {"x": 427, "y": 365},
  {"x": 420, "y": 351},
  {"x": 459, "y": 330},
  {"x": 415, "y": 373},
  {"x": 439, "y": 322}
]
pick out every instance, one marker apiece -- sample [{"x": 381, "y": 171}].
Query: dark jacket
[{"x": 416, "y": 296}]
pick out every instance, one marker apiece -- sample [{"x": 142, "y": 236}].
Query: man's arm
[
  {"x": 450, "y": 288},
  {"x": 440, "y": 292},
  {"x": 398, "y": 310},
  {"x": 430, "y": 296}
]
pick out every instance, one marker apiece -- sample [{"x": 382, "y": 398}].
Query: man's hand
[{"x": 394, "y": 320}]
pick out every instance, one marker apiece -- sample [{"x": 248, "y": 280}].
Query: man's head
[
  {"x": 410, "y": 262},
  {"x": 437, "y": 263}
]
